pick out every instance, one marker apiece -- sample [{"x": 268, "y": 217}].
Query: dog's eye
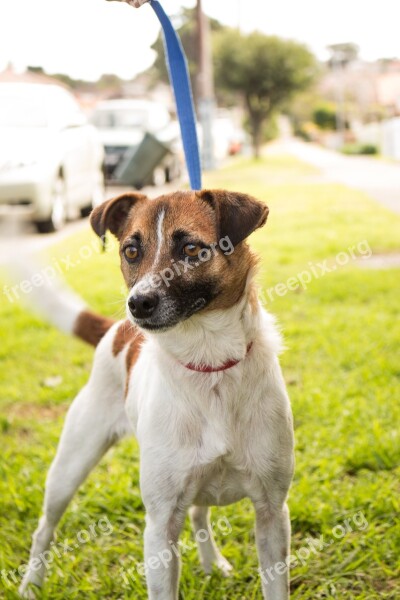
[
  {"x": 131, "y": 253},
  {"x": 191, "y": 250}
]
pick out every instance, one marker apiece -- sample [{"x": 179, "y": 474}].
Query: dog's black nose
[{"x": 142, "y": 306}]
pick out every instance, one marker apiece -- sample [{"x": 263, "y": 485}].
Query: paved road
[{"x": 379, "y": 179}]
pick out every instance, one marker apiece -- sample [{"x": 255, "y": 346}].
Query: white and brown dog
[{"x": 193, "y": 373}]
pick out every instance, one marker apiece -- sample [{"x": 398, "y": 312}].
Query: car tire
[
  {"x": 98, "y": 194},
  {"x": 58, "y": 215},
  {"x": 85, "y": 211}
]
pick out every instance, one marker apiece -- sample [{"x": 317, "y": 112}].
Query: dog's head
[{"x": 181, "y": 253}]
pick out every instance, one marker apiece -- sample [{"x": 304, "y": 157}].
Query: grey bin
[{"x": 139, "y": 162}]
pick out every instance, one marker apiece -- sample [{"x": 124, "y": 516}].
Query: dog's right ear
[{"x": 112, "y": 214}]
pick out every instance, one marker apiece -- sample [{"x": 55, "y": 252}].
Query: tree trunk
[
  {"x": 256, "y": 136},
  {"x": 257, "y": 142},
  {"x": 257, "y": 111}
]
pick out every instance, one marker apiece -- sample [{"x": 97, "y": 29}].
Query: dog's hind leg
[
  {"x": 94, "y": 422},
  {"x": 208, "y": 550}
]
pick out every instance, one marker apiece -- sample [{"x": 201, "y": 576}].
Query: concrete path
[{"x": 379, "y": 179}]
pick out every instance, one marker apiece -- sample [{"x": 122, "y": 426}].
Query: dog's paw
[
  {"x": 224, "y": 566},
  {"x": 28, "y": 589},
  {"x": 28, "y": 593},
  {"x": 220, "y": 563}
]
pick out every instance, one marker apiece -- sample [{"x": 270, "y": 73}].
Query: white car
[
  {"x": 123, "y": 124},
  {"x": 51, "y": 160}
]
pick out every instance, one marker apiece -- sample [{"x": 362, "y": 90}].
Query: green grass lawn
[{"x": 342, "y": 370}]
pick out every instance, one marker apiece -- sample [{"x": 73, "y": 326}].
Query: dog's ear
[
  {"x": 238, "y": 215},
  {"x": 112, "y": 214}
]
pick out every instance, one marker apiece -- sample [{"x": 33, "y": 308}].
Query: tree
[
  {"x": 187, "y": 30},
  {"x": 343, "y": 54},
  {"x": 36, "y": 70},
  {"x": 265, "y": 70}
]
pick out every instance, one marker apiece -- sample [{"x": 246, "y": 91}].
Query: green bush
[
  {"x": 324, "y": 115},
  {"x": 354, "y": 149}
]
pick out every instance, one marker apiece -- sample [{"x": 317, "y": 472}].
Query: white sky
[{"x": 86, "y": 38}]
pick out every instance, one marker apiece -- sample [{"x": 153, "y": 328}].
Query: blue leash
[{"x": 180, "y": 81}]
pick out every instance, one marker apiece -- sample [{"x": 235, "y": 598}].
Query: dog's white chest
[{"x": 219, "y": 436}]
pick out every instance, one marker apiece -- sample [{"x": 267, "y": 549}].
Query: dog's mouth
[
  {"x": 155, "y": 327},
  {"x": 167, "y": 317}
]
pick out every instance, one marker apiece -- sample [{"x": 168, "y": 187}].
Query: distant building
[
  {"x": 10, "y": 76},
  {"x": 143, "y": 86},
  {"x": 88, "y": 94},
  {"x": 370, "y": 90}
]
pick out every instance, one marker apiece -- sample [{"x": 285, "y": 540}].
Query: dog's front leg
[
  {"x": 167, "y": 498},
  {"x": 273, "y": 544},
  {"x": 161, "y": 554}
]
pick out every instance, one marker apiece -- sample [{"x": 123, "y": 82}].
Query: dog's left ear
[
  {"x": 238, "y": 215},
  {"x": 112, "y": 214}
]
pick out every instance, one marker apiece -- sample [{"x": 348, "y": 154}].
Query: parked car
[
  {"x": 51, "y": 160},
  {"x": 126, "y": 125}
]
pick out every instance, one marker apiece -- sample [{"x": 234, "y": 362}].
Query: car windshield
[
  {"x": 120, "y": 119},
  {"x": 22, "y": 110}
]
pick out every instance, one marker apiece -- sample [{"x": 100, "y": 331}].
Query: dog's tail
[
  {"x": 90, "y": 327},
  {"x": 57, "y": 304}
]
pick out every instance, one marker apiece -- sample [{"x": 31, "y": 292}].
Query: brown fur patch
[
  {"x": 134, "y": 351},
  {"x": 128, "y": 334},
  {"x": 125, "y": 333},
  {"x": 90, "y": 327},
  {"x": 132, "y": 355},
  {"x": 253, "y": 297}
]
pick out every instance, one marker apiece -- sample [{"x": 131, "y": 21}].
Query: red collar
[{"x": 208, "y": 369}]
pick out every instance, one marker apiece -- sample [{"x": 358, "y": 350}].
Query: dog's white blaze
[
  {"x": 146, "y": 283},
  {"x": 160, "y": 222}
]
